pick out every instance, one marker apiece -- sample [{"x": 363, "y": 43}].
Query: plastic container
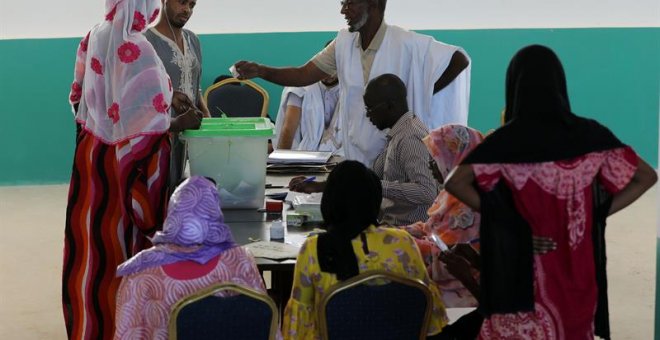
[
  {"x": 277, "y": 230},
  {"x": 232, "y": 151}
]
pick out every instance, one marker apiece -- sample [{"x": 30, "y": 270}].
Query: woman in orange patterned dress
[{"x": 450, "y": 219}]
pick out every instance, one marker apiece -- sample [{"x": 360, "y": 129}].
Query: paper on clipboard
[{"x": 273, "y": 250}]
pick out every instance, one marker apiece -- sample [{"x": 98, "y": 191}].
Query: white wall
[{"x": 72, "y": 18}]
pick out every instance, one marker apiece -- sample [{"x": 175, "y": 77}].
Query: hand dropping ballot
[{"x": 233, "y": 71}]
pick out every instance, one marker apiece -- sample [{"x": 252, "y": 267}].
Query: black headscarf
[
  {"x": 540, "y": 126},
  {"x": 351, "y": 202}
]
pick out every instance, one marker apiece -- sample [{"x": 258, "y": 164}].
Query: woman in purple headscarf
[{"x": 195, "y": 250}]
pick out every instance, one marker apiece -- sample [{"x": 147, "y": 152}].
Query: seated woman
[
  {"x": 195, "y": 250},
  {"x": 352, "y": 244},
  {"x": 456, "y": 272},
  {"x": 450, "y": 219}
]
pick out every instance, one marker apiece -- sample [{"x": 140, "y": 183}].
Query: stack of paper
[
  {"x": 299, "y": 157},
  {"x": 308, "y": 204},
  {"x": 299, "y": 168},
  {"x": 273, "y": 250}
]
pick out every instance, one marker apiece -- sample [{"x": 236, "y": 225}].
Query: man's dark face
[
  {"x": 356, "y": 13},
  {"x": 376, "y": 110},
  {"x": 179, "y": 11}
]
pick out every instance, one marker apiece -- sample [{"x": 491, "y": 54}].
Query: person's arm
[
  {"x": 203, "y": 107},
  {"x": 644, "y": 178},
  {"x": 186, "y": 115},
  {"x": 128, "y": 313},
  {"x": 189, "y": 120},
  {"x": 457, "y": 64},
  {"x": 290, "y": 126},
  {"x": 307, "y": 74},
  {"x": 299, "y": 321},
  {"x": 460, "y": 268},
  {"x": 460, "y": 183},
  {"x": 416, "y": 269},
  {"x": 419, "y": 186},
  {"x": 299, "y": 184}
]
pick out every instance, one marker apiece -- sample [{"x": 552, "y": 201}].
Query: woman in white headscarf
[{"x": 118, "y": 194}]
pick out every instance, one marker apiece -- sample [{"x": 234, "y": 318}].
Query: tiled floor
[{"x": 32, "y": 223}]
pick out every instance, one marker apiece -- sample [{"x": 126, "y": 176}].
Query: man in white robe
[
  {"x": 306, "y": 119},
  {"x": 436, "y": 75}
]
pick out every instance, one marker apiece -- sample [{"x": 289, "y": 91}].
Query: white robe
[
  {"x": 419, "y": 60},
  {"x": 311, "y": 130}
]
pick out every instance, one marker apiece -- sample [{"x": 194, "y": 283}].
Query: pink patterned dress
[
  {"x": 555, "y": 198},
  {"x": 145, "y": 299}
]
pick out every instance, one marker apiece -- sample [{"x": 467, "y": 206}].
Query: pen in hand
[{"x": 305, "y": 184}]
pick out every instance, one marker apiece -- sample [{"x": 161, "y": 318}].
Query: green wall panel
[
  {"x": 613, "y": 76},
  {"x": 657, "y": 291}
]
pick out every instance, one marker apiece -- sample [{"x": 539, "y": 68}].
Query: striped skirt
[{"x": 118, "y": 195}]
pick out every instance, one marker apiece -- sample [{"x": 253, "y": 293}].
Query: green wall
[
  {"x": 657, "y": 291},
  {"x": 613, "y": 76}
]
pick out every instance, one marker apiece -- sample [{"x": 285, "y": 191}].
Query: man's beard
[
  {"x": 330, "y": 83},
  {"x": 177, "y": 24},
  {"x": 358, "y": 25}
]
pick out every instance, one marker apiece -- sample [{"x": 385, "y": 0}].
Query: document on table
[
  {"x": 299, "y": 157},
  {"x": 273, "y": 250}
]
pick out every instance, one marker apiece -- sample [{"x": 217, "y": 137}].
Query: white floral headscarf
[{"x": 120, "y": 84}]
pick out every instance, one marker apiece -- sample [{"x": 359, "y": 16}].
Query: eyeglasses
[
  {"x": 348, "y": 3},
  {"x": 432, "y": 163},
  {"x": 370, "y": 110}
]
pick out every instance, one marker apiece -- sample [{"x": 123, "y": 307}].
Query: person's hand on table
[{"x": 301, "y": 184}]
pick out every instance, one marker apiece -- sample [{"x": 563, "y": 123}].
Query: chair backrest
[
  {"x": 376, "y": 305},
  {"x": 243, "y": 314},
  {"x": 236, "y": 98}
]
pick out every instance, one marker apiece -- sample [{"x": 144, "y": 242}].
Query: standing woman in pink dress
[
  {"x": 553, "y": 174},
  {"x": 118, "y": 191}
]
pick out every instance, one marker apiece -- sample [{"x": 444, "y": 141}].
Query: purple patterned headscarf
[{"x": 194, "y": 229}]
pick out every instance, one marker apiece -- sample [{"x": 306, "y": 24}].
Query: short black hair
[{"x": 390, "y": 86}]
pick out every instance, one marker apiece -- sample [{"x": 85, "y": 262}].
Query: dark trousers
[{"x": 467, "y": 327}]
